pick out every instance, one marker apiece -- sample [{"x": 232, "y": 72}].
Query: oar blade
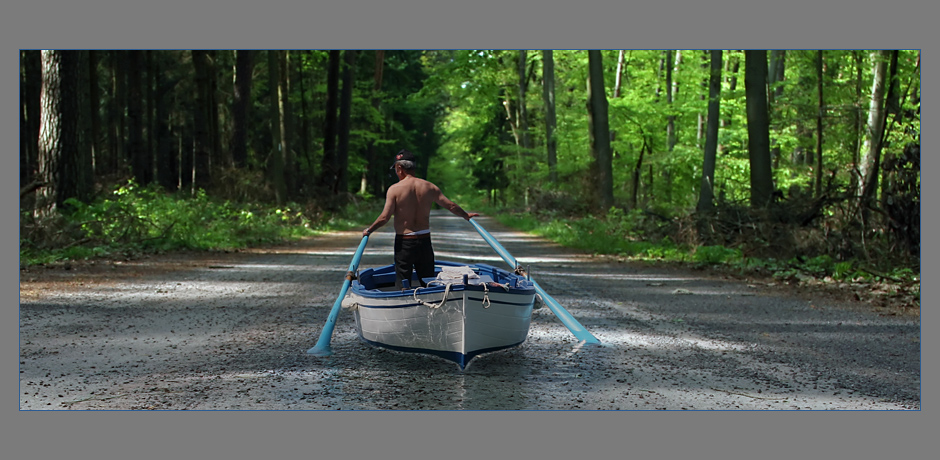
[{"x": 322, "y": 347}]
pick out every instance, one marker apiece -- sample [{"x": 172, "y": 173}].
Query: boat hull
[{"x": 474, "y": 319}]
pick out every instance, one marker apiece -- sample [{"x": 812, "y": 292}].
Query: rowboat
[
  {"x": 449, "y": 317},
  {"x": 463, "y": 312}
]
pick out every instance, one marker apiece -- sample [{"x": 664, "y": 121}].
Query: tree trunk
[
  {"x": 76, "y": 170},
  {"x": 166, "y": 161},
  {"x": 328, "y": 170},
  {"x": 774, "y": 76},
  {"x": 637, "y": 169},
  {"x": 287, "y": 125},
  {"x": 150, "y": 96},
  {"x": 755, "y": 86},
  {"x": 670, "y": 118},
  {"x": 118, "y": 116},
  {"x": 870, "y": 162},
  {"x": 217, "y": 157},
  {"x": 893, "y": 99},
  {"x": 94, "y": 104},
  {"x": 858, "y": 122},
  {"x": 51, "y": 132},
  {"x": 671, "y": 89},
  {"x": 141, "y": 163},
  {"x": 732, "y": 65},
  {"x": 700, "y": 126},
  {"x": 819, "y": 122},
  {"x": 548, "y": 93},
  {"x": 30, "y": 115},
  {"x": 241, "y": 107},
  {"x": 600, "y": 131},
  {"x": 372, "y": 176},
  {"x": 59, "y": 162},
  {"x": 202, "y": 140},
  {"x": 305, "y": 130},
  {"x": 707, "y": 188},
  {"x": 345, "y": 109},
  {"x": 276, "y": 157},
  {"x": 618, "y": 81},
  {"x": 523, "y": 115}
]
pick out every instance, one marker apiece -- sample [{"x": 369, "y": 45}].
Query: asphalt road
[{"x": 230, "y": 331}]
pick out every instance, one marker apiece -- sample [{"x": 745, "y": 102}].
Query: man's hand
[
  {"x": 471, "y": 215},
  {"x": 366, "y": 232}
]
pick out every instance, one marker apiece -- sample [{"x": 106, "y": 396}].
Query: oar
[
  {"x": 572, "y": 324},
  {"x": 322, "y": 348}
]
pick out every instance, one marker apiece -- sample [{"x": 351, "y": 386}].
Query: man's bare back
[{"x": 410, "y": 201}]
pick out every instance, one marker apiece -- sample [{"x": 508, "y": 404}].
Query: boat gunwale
[{"x": 523, "y": 287}]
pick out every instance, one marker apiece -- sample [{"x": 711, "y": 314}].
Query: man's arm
[
  {"x": 384, "y": 217},
  {"x": 452, "y": 207}
]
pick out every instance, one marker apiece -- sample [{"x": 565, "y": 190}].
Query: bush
[{"x": 146, "y": 219}]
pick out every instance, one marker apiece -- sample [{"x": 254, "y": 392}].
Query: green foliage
[
  {"x": 617, "y": 233},
  {"x": 712, "y": 255},
  {"x": 146, "y": 219}
]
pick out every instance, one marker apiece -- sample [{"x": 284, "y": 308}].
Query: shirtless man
[{"x": 410, "y": 201}]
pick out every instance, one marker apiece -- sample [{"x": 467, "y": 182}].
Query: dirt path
[{"x": 230, "y": 331}]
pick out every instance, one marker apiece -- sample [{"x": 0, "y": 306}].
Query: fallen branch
[{"x": 30, "y": 188}]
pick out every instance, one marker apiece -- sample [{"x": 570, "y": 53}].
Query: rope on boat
[
  {"x": 448, "y": 276},
  {"x": 429, "y": 304}
]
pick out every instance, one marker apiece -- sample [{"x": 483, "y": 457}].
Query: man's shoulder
[{"x": 428, "y": 184}]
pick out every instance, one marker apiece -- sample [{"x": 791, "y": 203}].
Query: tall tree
[
  {"x": 118, "y": 117},
  {"x": 217, "y": 157},
  {"x": 819, "y": 122},
  {"x": 707, "y": 188},
  {"x": 345, "y": 112},
  {"x": 732, "y": 66},
  {"x": 600, "y": 131},
  {"x": 202, "y": 142},
  {"x": 304, "y": 149},
  {"x": 328, "y": 169},
  {"x": 870, "y": 162},
  {"x": 371, "y": 177},
  {"x": 94, "y": 104},
  {"x": 523, "y": 116},
  {"x": 31, "y": 86},
  {"x": 276, "y": 157},
  {"x": 758, "y": 131},
  {"x": 775, "y": 76},
  {"x": 241, "y": 107},
  {"x": 858, "y": 121},
  {"x": 548, "y": 94},
  {"x": 141, "y": 161},
  {"x": 287, "y": 123},
  {"x": 59, "y": 157},
  {"x": 670, "y": 117},
  {"x": 167, "y": 162}
]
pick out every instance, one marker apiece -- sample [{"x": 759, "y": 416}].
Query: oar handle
[
  {"x": 322, "y": 348},
  {"x": 500, "y": 250}
]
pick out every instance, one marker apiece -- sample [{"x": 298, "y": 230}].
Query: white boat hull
[{"x": 475, "y": 319}]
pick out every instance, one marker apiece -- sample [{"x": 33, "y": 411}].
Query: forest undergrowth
[
  {"x": 817, "y": 244},
  {"x": 132, "y": 221},
  {"x": 808, "y": 243}
]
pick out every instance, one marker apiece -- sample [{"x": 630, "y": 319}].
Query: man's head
[{"x": 406, "y": 160}]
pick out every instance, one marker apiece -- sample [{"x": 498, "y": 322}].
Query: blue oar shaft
[
  {"x": 560, "y": 312},
  {"x": 322, "y": 348}
]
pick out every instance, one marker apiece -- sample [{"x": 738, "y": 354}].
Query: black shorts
[{"x": 413, "y": 254}]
